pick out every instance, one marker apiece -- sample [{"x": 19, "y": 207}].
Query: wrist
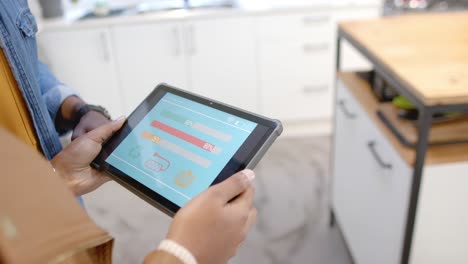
[
  {"x": 61, "y": 172},
  {"x": 161, "y": 257},
  {"x": 178, "y": 251},
  {"x": 70, "y": 107},
  {"x": 86, "y": 108},
  {"x": 65, "y": 118}
]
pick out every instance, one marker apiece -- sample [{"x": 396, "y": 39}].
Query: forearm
[
  {"x": 59, "y": 98},
  {"x": 161, "y": 257}
]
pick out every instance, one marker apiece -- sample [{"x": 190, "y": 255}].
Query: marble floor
[{"x": 292, "y": 197}]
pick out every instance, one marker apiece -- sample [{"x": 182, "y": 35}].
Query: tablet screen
[{"x": 180, "y": 146}]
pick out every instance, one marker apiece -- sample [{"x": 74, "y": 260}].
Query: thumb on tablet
[
  {"x": 102, "y": 133},
  {"x": 235, "y": 185}
]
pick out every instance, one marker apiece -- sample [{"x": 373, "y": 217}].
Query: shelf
[
  {"x": 431, "y": 62},
  {"x": 453, "y": 131},
  {"x": 362, "y": 91}
]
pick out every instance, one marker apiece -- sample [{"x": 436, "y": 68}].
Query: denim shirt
[{"x": 42, "y": 92}]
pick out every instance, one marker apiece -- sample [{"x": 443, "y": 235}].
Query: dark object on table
[
  {"x": 408, "y": 114},
  {"x": 413, "y": 115},
  {"x": 382, "y": 90}
]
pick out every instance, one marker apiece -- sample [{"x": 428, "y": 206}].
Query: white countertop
[{"x": 71, "y": 20}]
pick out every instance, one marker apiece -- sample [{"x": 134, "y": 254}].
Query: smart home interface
[{"x": 180, "y": 147}]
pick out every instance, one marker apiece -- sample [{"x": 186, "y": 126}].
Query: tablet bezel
[{"x": 266, "y": 129}]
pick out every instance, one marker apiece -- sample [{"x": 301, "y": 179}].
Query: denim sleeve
[{"x": 53, "y": 91}]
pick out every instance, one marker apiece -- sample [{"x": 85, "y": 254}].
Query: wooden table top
[{"x": 428, "y": 52}]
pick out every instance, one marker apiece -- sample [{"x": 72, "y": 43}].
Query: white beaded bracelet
[{"x": 178, "y": 251}]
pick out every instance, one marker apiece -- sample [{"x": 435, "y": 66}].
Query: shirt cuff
[{"x": 55, "y": 97}]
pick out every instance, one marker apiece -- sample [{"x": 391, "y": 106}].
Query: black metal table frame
[{"x": 424, "y": 125}]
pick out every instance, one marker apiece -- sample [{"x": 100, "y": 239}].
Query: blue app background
[{"x": 173, "y": 167}]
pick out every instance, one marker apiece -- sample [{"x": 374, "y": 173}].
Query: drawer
[
  {"x": 297, "y": 104},
  {"x": 306, "y": 63},
  {"x": 312, "y": 27},
  {"x": 299, "y": 78}
]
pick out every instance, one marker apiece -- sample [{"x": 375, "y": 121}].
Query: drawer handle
[
  {"x": 308, "y": 89},
  {"x": 310, "y": 20},
  {"x": 314, "y": 47},
  {"x": 344, "y": 109},
  {"x": 377, "y": 157}
]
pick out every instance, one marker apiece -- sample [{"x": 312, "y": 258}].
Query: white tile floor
[{"x": 292, "y": 197}]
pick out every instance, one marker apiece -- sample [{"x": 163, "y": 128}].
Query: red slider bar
[{"x": 184, "y": 136}]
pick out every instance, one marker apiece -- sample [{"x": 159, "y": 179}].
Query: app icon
[
  {"x": 184, "y": 178},
  {"x": 135, "y": 152},
  {"x": 188, "y": 123},
  {"x": 158, "y": 163}
]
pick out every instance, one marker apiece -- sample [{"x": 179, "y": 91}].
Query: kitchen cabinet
[
  {"x": 295, "y": 65},
  {"x": 222, "y": 60},
  {"x": 399, "y": 203},
  {"x": 215, "y": 58},
  {"x": 371, "y": 185},
  {"x": 149, "y": 54},
  {"x": 256, "y": 61},
  {"x": 84, "y": 59}
]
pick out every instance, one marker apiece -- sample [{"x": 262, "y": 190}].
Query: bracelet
[{"x": 178, "y": 251}]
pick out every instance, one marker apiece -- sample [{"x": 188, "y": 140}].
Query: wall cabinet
[{"x": 84, "y": 60}]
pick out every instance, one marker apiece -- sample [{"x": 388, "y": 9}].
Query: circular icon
[{"x": 135, "y": 152}]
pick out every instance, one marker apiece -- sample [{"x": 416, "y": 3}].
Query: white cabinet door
[
  {"x": 83, "y": 59},
  {"x": 297, "y": 77},
  {"x": 296, "y": 65},
  {"x": 384, "y": 194},
  {"x": 149, "y": 54},
  {"x": 222, "y": 60},
  {"x": 371, "y": 187}
]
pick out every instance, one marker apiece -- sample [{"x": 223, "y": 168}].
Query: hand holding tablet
[
  {"x": 221, "y": 215},
  {"x": 177, "y": 144}
]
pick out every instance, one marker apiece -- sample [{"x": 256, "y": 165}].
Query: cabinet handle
[
  {"x": 176, "y": 35},
  {"x": 311, "y": 20},
  {"x": 191, "y": 39},
  {"x": 308, "y": 48},
  {"x": 308, "y": 89},
  {"x": 377, "y": 157},
  {"x": 104, "y": 47},
  {"x": 344, "y": 109}
]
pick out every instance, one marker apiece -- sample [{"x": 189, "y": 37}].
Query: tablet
[{"x": 176, "y": 144}]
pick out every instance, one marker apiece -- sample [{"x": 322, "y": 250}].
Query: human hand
[
  {"x": 213, "y": 225},
  {"x": 73, "y": 162},
  {"x": 88, "y": 122}
]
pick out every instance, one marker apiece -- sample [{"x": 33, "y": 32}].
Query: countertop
[
  {"x": 72, "y": 21},
  {"x": 427, "y": 52}
]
